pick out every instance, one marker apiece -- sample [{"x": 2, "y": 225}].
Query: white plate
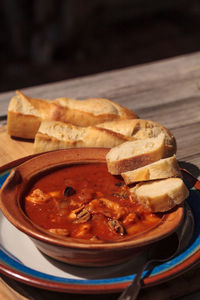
[{"x": 21, "y": 260}]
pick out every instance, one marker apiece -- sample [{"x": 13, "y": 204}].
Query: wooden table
[{"x": 167, "y": 92}]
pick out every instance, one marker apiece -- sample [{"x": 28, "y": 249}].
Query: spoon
[{"x": 183, "y": 236}]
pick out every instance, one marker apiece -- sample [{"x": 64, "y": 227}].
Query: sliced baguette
[
  {"x": 135, "y": 154},
  {"x": 53, "y": 135},
  {"x": 161, "y": 195},
  {"x": 138, "y": 129},
  {"x": 25, "y": 113},
  {"x": 163, "y": 168}
]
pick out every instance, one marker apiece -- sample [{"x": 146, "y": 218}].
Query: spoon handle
[
  {"x": 191, "y": 179},
  {"x": 132, "y": 291}
]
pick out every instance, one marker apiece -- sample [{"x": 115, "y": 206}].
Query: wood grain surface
[
  {"x": 12, "y": 149},
  {"x": 167, "y": 92}
]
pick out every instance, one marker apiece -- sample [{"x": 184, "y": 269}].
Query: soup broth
[{"x": 86, "y": 202}]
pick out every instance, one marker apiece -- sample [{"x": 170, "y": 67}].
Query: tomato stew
[{"x": 86, "y": 202}]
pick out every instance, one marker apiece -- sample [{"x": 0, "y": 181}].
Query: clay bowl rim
[{"x": 20, "y": 177}]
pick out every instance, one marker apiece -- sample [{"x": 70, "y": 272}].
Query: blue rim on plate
[{"x": 12, "y": 266}]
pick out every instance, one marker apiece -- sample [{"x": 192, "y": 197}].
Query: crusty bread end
[{"x": 25, "y": 115}]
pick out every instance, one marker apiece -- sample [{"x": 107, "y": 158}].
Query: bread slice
[
  {"x": 161, "y": 195},
  {"x": 53, "y": 135},
  {"x": 138, "y": 129},
  {"x": 163, "y": 168},
  {"x": 135, "y": 154},
  {"x": 25, "y": 113}
]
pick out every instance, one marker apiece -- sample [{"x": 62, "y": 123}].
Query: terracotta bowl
[{"x": 71, "y": 250}]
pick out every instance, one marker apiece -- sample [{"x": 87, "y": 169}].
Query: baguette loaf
[
  {"x": 114, "y": 133},
  {"x": 135, "y": 154},
  {"x": 163, "y": 168},
  {"x": 25, "y": 113},
  {"x": 138, "y": 129},
  {"x": 54, "y": 135},
  {"x": 161, "y": 195}
]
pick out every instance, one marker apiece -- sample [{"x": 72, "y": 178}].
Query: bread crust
[
  {"x": 19, "y": 125},
  {"x": 138, "y": 129},
  {"x": 164, "y": 168},
  {"x": 125, "y": 157},
  {"x": 53, "y": 135},
  {"x": 78, "y": 112},
  {"x": 94, "y": 111}
]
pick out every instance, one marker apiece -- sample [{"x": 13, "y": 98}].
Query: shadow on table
[{"x": 193, "y": 169}]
